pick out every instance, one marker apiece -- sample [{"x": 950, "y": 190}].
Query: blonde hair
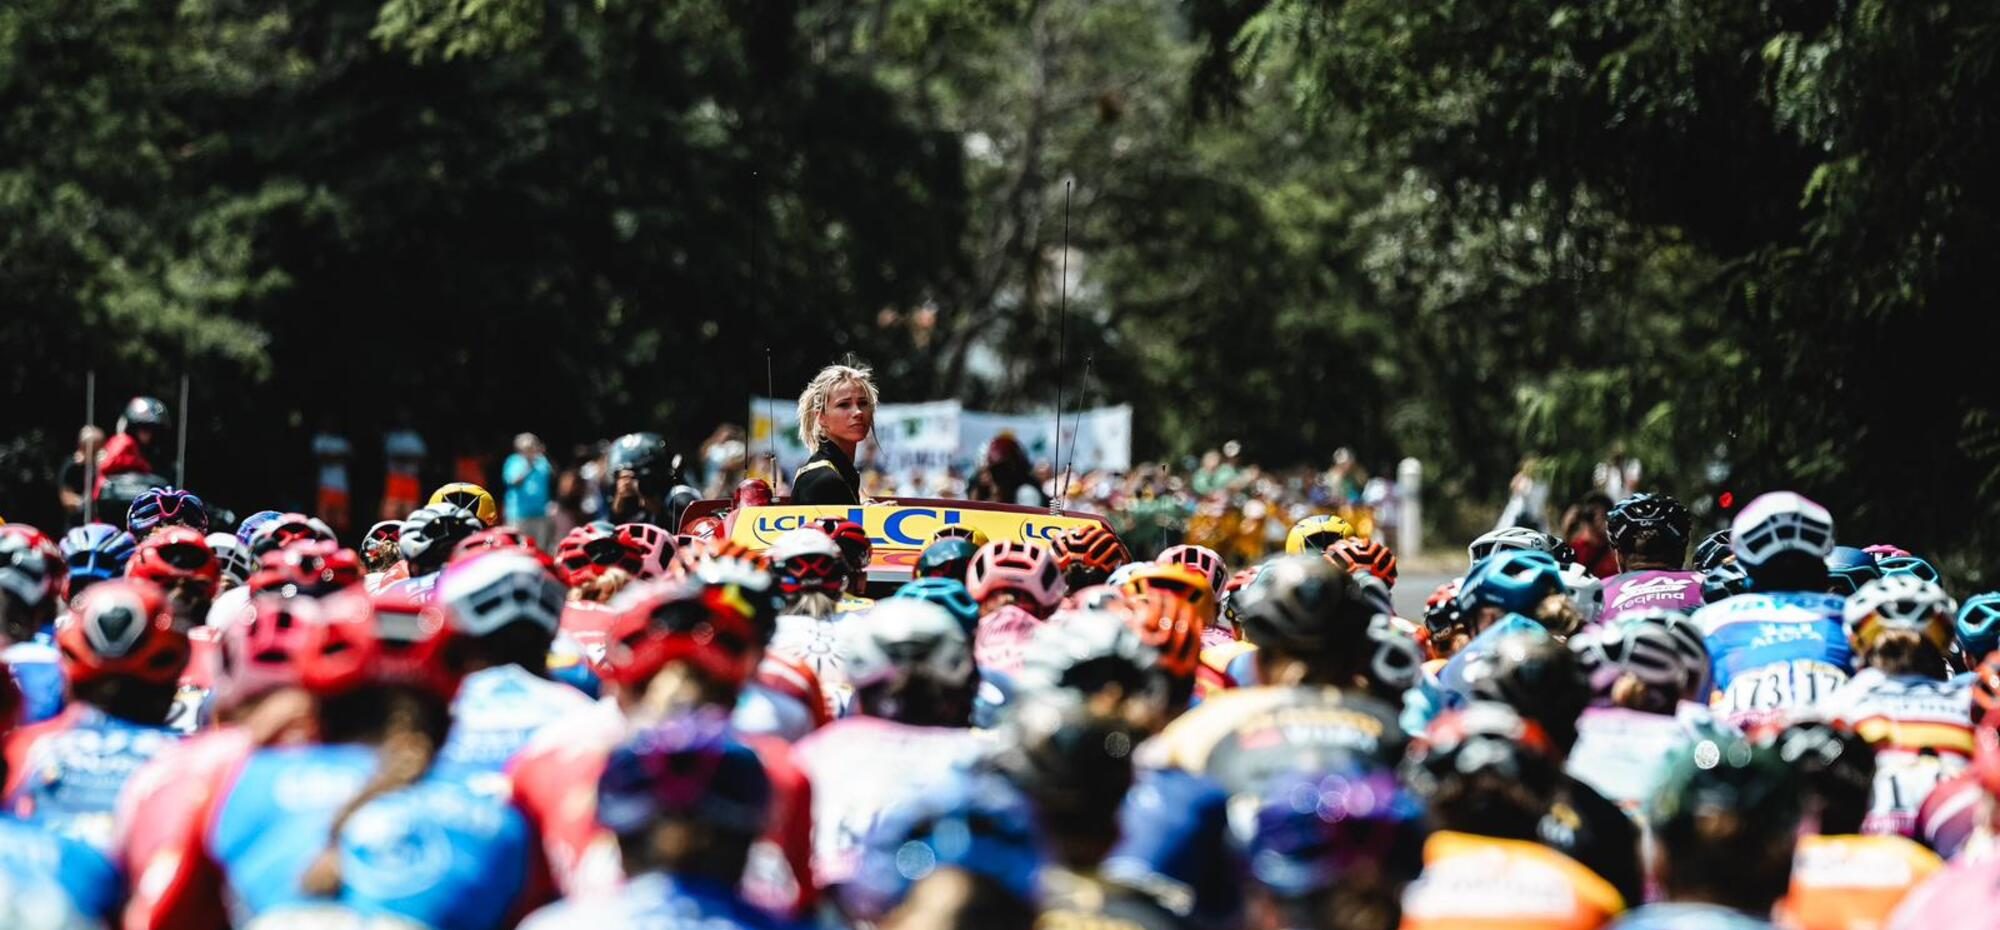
[{"x": 813, "y": 401}]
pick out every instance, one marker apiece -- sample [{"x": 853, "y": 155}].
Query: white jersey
[
  {"x": 816, "y": 644},
  {"x": 861, "y": 767},
  {"x": 499, "y": 709},
  {"x": 1624, "y": 753},
  {"x": 1921, "y": 729},
  {"x": 230, "y": 607}
]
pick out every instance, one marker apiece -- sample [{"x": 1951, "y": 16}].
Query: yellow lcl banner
[{"x": 893, "y": 527}]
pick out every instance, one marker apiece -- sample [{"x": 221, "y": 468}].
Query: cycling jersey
[
  {"x": 1225, "y": 665},
  {"x": 1952, "y": 820},
  {"x": 860, "y": 767},
  {"x": 230, "y": 608},
  {"x": 65, "y": 773},
  {"x": 1174, "y": 845},
  {"x": 1001, "y": 639},
  {"x": 1959, "y": 896},
  {"x": 1477, "y": 882},
  {"x": 1853, "y": 882},
  {"x": 1775, "y": 655},
  {"x": 37, "y": 670},
  {"x": 159, "y": 818},
  {"x": 1242, "y": 737},
  {"x": 51, "y": 881},
  {"x": 1592, "y": 830},
  {"x": 1082, "y": 901},
  {"x": 498, "y": 710},
  {"x": 1921, "y": 729},
  {"x": 1631, "y": 592},
  {"x": 1624, "y": 753},
  {"x": 656, "y": 900},
  {"x": 815, "y": 644},
  {"x": 1679, "y": 916},
  {"x": 783, "y": 700}
]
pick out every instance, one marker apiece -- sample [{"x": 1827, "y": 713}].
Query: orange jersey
[
  {"x": 1853, "y": 882},
  {"x": 1482, "y": 883}
]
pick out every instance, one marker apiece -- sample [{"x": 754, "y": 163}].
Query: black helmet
[
  {"x": 1723, "y": 774},
  {"x": 1304, "y": 606},
  {"x": 144, "y": 411},
  {"x": 645, "y": 456},
  {"x": 1659, "y": 513},
  {"x": 1711, "y": 551},
  {"x": 679, "y": 498},
  {"x": 1072, "y": 763},
  {"x": 1838, "y": 768},
  {"x": 1725, "y": 580},
  {"x": 1482, "y": 737},
  {"x": 1538, "y": 677}
]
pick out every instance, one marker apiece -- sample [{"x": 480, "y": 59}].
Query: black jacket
[{"x": 827, "y": 478}]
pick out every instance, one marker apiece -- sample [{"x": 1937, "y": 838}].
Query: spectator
[
  {"x": 70, "y": 483},
  {"x": 332, "y": 451},
  {"x": 530, "y": 483}
]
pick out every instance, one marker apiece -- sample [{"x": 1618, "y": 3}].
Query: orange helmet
[
  {"x": 1356, "y": 553},
  {"x": 1986, "y": 689},
  {"x": 1088, "y": 554},
  {"x": 122, "y": 628},
  {"x": 703, "y": 551},
  {"x": 1178, "y": 581},
  {"x": 1170, "y": 625}
]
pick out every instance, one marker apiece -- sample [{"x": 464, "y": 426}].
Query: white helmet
[
  {"x": 1074, "y": 638},
  {"x": 488, "y": 592},
  {"x": 1777, "y": 523},
  {"x": 902, "y": 636},
  {"x": 234, "y": 557},
  {"x": 802, "y": 541},
  {"x": 1511, "y": 537},
  {"x": 1902, "y": 601},
  {"x": 1585, "y": 590}
]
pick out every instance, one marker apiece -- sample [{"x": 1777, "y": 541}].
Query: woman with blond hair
[{"x": 836, "y": 412}]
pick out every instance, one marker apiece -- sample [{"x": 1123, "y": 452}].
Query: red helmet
[
  {"x": 122, "y": 629},
  {"x": 656, "y": 546},
  {"x": 591, "y": 549},
  {"x": 806, "y": 560},
  {"x": 703, "y": 528},
  {"x": 751, "y": 492},
  {"x": 501, "y": 537},
  {"x": 1986, "y": 689},
  {"x": 309, "y": 567},
  {"x": 1355, "y": 553},
  {"x": 52, "y": 554},
  {"x": 1088, "y": 554},
  {"x": 290, "y": 528},
  {"x": 855, "y": 546},
  {"x": 668, "y": 621},
  {"x": 378, "y": 640},
  {"x": 1024, "y": 568},
  {"x": 174, "y": 553},
  {"x": 1200, "y": 558},
  {"x": 262, "y": 652}
]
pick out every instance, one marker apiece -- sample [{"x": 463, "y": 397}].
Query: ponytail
[
  {"x": 1905, "y": 652},
  {"x": 413, "y": 727}
]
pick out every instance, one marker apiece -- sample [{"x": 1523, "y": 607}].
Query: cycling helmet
[
  {"x": 122, "y": 629},
  {"x": 1395, "y": 661},
  {"x": 1646, "y": 651},
  {"x": 1725, "y": 776},
  {"x": 1347, "y": 818},
  {"x": 234, "y": 557},
  {"x": 1690, "y": 649},
  {"x": 1778, "y": 523},
  {"x": 1512, "y": 538},
  {"x": 1088, "y": 554},
  {"x": 261, "y": 652},
  {"x": 975, "y": 821},
  {"x": 287, "y": 529},
  {"x": 1656, "y": 512},
  {"x": 1172, "y": 627},
  {"x": 1074, "y": 764},
  {"x": 468, "y": 496},
  {"x": 855, "y": 547},
  {"x": 1909, "y": 565},
  {"x": 1225, "y": 599},
  {"x": 155, "y": 507},
  {"x": 144, "y": 411},
  {"x": 901, "y": 638},
  {"x": 95, "y": 552},
  {"x": 1539, "y": 677},
  {"x": 429, "y": 535},
  {"x": 1986, "y": 689},
  {"x": 386, "y": 639},
  {"x": 710, "y": 626},
  {"x": 1899, "y": 602},
  {"x": 807, "y": 560},
  {"x": 1356, "y": 554},
  {"x": 1095, "y": 597},
  {"x": 1837, "y": 766},
  {"x": 1482, "y": 736},
  {"x": 1514, "y": 580},
  {"x": 656, "y": 547},
  {"x": 173, "y": 554},
  {"x": 1723, "y": 581},
  {"x": 594, "y": 548},
  {"x": 1585, "y": 590},
  {"x": 972, "y": 534},
  {"x": 1202, "y": 559},
  {"x": 708, "y": 527},
  {"x": 499, "y": 589},
  {"x": 1848, "y": 568},
  {"x": 310, "y": 568},
  {"x": 26, "y": 572},
  {"x": 948, "y": 594},
  {"x": 501, "y": 538},
  {"x": 1713, "y": 550},
  {"x": 1178, "y": 581},
  {"x": 1024, "y": 568},
  {"x": 1084, "y": 650},
  {"x": 742, "y": 583},
  {"x": 1441, "y": 613},
  {"x": 247, "y": 529},
  {"x": 703, "y": 552},
  {"x": 1313, "y": 534},
  {"x": 688, "y": 768},
  {"x": 751, "y": 492},
  {"x": 1303, "y": 606},
  {"x": 1885, "y": 550},
  {"x": 946, "y": 558},
  {"x": 645, "y": 456},
  {"x": 1978, "y": 625}
]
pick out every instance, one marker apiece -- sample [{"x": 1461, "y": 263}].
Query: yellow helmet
[
  {"x": 971, "y": 534},
  {"x": 1313, "y": 534},
  {"x": 469, "y": 496}
]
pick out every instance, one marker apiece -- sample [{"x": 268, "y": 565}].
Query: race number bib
[{"x": 1771, "y": 690}]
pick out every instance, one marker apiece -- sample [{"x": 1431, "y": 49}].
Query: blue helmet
[
  {"x": 95, "y": 552},
  {"x": 1848, "y": 568},
  {"x": 977, "y": 822},
  {"x": 1910, "y": 565},
  {"x": 247, "y": 530},
  {"x": 166, "y": 507},
  {"x": 1513, "y": 580},
  {"x": 946, "y": 558},
  {"x": 1978, "y": 626},
  {"x": 1313, "y": 829},
  {"x": 947, "y": 593}
]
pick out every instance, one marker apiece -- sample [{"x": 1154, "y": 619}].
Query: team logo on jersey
[{"x": 389, "y": 852}]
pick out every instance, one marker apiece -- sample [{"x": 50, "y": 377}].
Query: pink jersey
[
  {"x": 1632, "y": 592},
  {"x": 1960, "y": 897},
  {"x": 860, "y": 767}
]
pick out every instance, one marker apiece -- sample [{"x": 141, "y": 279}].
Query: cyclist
[
  {"x": 284, "y": 529},
  {"x": 29, "y": 581},
  {"x": 1365, "y": 555},
  {"x": 94, "y": 552},
  {"x": 426, "y": 541},
  {"x": 1334, "y": 849},
  {"x": 1088, "y": 554},
  {"x": 964, "y": 854},
  {"x": 1962, "y": 894},
  {"x": 178, "y": 560},
  {"x": 505, "y": 608},
  {"x": 1648, "y": 678},
  {"x": 855, "y": 550},
  {"x": 1782, "y": 647},
  {"x": 1017, "y": 585},
  {"x": 1977, "y": 628},
  {"x": 235, "y": 560},
  {"x": 946, "y": 558},
  {"x": 1523, "y": 582},
  {"x": 1840, "y": 878},
  {"x": 156, "y": 508},
  {"x": 1489, "y": 777},
  {"x": 1904, "y": 700},
  {"x": 1649, "y": 536},
  {"x": 811, "y": 574},
  {"x": 47, "y": 880},
  {"x": 1515, "y": 539}
]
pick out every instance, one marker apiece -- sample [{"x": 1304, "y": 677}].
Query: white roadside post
[{"x": 1410, "y": 507}]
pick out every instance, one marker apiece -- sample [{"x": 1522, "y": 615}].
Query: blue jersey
[
  {"x": 1173, "y": 844},
  {"x": 657, "y": 902},
  {"x": 436, "y": 853},
  {"x": 74, "y": 767},
  {"x": 1667, "y": 916},
  {"x": 37, "y": 668},
  {"x": 61, "y": 873},
  {"x": 498, "y": 710},
  {"x": 1775, "y": 654}
]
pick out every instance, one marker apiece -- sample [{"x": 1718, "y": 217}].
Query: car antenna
[
  {"x": 1062, "y": 346},
  {"x": 771, "y": 417},
  {"x": 1075, "y": 423}
]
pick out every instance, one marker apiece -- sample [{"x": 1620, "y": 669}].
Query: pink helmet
[
  {"x": 1021, "y": 567},
  {"x": 1200, "y": 558},
  {"x": 656, "y": 547},
  {"x": 1885, "y": 551},
  {"x": 260, "y": 651}
]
